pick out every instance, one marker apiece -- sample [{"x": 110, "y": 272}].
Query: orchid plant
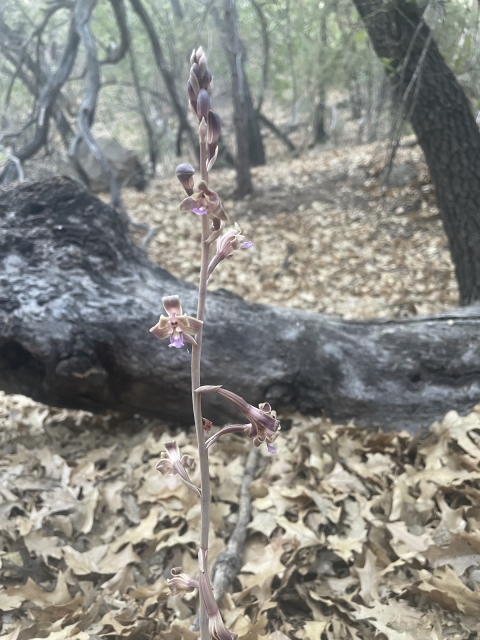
[{"x": 262, "y": 425}]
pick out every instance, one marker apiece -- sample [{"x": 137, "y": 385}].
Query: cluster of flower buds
[{"x": 199, "y": 88}]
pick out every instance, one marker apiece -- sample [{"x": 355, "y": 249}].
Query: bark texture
[
  {"x": 77, "y": 298},
  {"x": 250, "y": 149},
  {"x": 441, "y": 116}
]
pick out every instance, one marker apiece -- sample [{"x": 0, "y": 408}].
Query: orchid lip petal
[
  {"x": 200, "y": 211},
  {"x": 176, "y": 340}
]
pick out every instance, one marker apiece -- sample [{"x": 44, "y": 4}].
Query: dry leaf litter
[
  {"x": 354, "y": 534},
  {"x": 328, "y": 235}
]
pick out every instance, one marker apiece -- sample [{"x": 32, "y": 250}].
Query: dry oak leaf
[
  {"x": 100, "y": 559},
  {"x": 14, "y": 597}
]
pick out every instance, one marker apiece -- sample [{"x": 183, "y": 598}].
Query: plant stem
[{"x": 197, "y": 397}]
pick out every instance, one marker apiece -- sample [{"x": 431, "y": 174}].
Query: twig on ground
[{"x": 229, "y": 562}]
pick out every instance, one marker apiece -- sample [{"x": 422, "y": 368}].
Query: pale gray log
[{"x": 77, "y": 299}]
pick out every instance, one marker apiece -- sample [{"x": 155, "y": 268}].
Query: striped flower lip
[
  {"x": 177, "y": 326},
  {"x": 204, "y": 202}
]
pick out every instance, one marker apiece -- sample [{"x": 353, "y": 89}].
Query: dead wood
[{"x": 78, "y": 297}]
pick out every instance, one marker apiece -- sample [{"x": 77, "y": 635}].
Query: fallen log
[{"x": 77, "y": 299}]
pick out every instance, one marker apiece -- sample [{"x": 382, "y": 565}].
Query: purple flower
[
  {"x": 173, "y": 464},
  {"x": 204, "y": 202},
  {"x": 263, "y": 425},
  {"x": 181, "y": 582},
  {"x": 216, "y": 627},
  {"x": 226, "y": 245},
  {"x": 178, "y": 326}
]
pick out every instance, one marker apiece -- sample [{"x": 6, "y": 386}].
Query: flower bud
[
  {"x": 184, "y": 173},
  {"x": 203, "y": 104},
  {"x": 206, "y": 81},
  {"x": 194, "y": 82},
  {"x": 202, "y": 65},
  {"x": 196, "y": 70},
  {"x": 213, "y": 128}
]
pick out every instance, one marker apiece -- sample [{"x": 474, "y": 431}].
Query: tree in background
[{"x": 433, "y": 101}]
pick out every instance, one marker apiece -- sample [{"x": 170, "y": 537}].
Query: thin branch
[
  {"x": 151, "y": 139},
  {"x": 266, "y": 53},
  {"x": 168, "y": 79},
  {"x": 118, "y": 54},
  {"x": 155, "y": 94},
  {"x": 82, "y": 15},
  {"x": 46, "y": 100},
  {"x": 276, "y": 131},
  {"x": 15, "y": 160},
  {"x": 229, "y": 562}
]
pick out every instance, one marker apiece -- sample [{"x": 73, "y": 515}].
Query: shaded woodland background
[{"x": 350, "y": 154}]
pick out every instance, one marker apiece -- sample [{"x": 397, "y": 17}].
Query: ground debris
[
  {"x": 354, "y": 533},
  {"x": 329, "y": 235}
]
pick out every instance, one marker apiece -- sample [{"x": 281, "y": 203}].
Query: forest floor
[{"x": 355, "y": 534}]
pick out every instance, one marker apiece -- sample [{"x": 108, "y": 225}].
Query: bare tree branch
[
  {"x": 276, "y": 131},
  {"x": 118, "y": 54},
  {"x": 15, "y": 160},
  {"x": 229, "y": 562},
  {"x": 266, "y": 53},
  {"x": 165, "y": 72},
  {"x": 82, "y": 14},
  {"x": 151, "y": 139},
  {"x": 46, "y": 100}
]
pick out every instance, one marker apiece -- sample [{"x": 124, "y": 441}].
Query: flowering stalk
[
  {"x": 195, "y": 367},
  {"x": 180, "y": 328}
]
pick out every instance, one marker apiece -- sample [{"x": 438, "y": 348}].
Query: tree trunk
[
  {"x": 77, "y": 299},
  {"x": 250, "y": 150},
  {"x": 441, "y": 117},
  {"x": 319, "y": 133},
  {"x": 168, "y": 79}
]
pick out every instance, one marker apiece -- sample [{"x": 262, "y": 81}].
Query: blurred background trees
[
  {"x": 75, "y": 74},
  {"x": 305, "y": 65}
]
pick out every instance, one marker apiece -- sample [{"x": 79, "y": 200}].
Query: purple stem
[{"x": 196, "y": 397}]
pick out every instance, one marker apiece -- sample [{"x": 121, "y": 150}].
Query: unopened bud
[
  {"x": 213, "y": 128},
  {"x": 194, "y": 82},
  {"x": 203, "y": 104},
  {"x": 184, "y": 173},
  {"x": 202, "y": 65},
  {"x": 196, "y": 70},
  {"x": 206, "y": 81}
]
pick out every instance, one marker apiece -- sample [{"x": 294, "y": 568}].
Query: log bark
[
  {"x": 441, "y": 116},
  {"x": 77, "y": 299}
]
